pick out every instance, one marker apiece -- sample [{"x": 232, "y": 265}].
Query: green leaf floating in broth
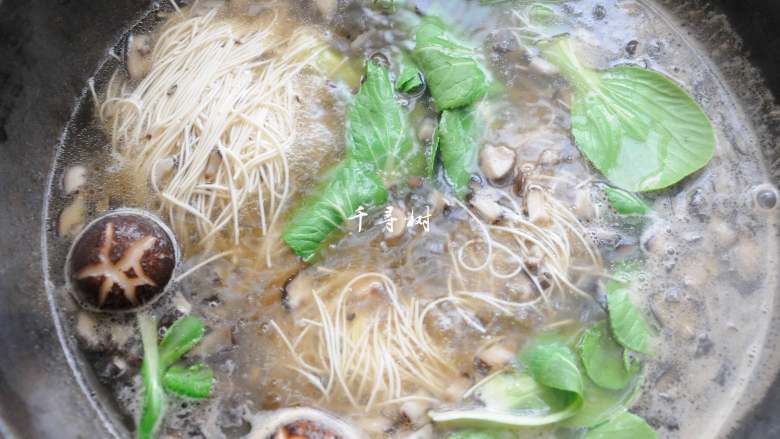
[
  {"x": 350, "y": 185},
  {"x": 628, "y": 325},
  {"x": 623, "y": 426},
  {"x": 453, "y": 73},
  {"x": 626, "y": 203},
  {"x": 190, "y": 382},
  {"x": 458, "y": 136},
  {"x": 516, "y": 391},
  {"x": 409, "y": 76},
  {"x": 600, "y": 404},
  {"x": 550, "y": 392},
  {"x": 603, "y": 358},
  {"x": 636, "y": 126},
  {"x": 379, "y": 142},
  {"x": 182, "y": 336},
  {"x": 553, "y": 364},
  {"x": 378, "y": 132}
]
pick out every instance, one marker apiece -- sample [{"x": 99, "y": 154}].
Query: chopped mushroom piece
[
  {"x": 416, "y": 410},
  {"x": 396, "y": 225},
  {"x": 496, "y": 162},
  {"x": 536, "y": 206},
  {"x": 486, "y": 205},
  {"x": 72, "y": 217},
  {"x": 583, "y": 204},
  {"x": 74, "y": 178},
  {"x": 495, "y": 356},
  {"x": 139, "y": 60},
  {"x": 297, "y": 290}
]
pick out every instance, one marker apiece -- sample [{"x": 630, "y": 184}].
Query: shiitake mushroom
[{"x": 121, "y": 261}]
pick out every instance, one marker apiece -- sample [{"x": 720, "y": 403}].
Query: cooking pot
[{"x": 48, "y": 50}]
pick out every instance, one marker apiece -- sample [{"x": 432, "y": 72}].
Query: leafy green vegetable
[
  {"x": 488, "y": 418},
  {"x": 192, "y": 382},
  {"x": 409, "y": 76},
  {"x": 154, "y": 396},
  {"x": 623, "y": 426},
  {"x": 600, "y": 404},
  {"x": 476, "y": 434},
  {"x": 603, "y": 359},
  {"x": 378, "y": 133},
  {"x": 180, "y": 338},
  {"x": 640, "y": 129},
  {"x": 626, "y": 203},
  {"x": 349, "y": 186},
  {"x": 379, "y": 142},
  {"x": 512, "y": 391},
  {"x": 454, "y": 75},
  {"x": 458, "y": 137},
  {"x": 553, "y": 364},
  {"x": 628, "y": 325},
  {"x": 158, "y": 375},
  {"x": 541, "y": 15}
]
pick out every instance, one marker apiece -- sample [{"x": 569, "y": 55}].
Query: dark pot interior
[{"x": 48, "y": 50}]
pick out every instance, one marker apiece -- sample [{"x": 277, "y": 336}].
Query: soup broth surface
[{"x": 709, "y": 246}]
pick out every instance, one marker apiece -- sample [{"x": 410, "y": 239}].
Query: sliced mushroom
[
  {"x": 72, "y": 217},
  {"x": 496, "y": 162},
  {"x": 74, "y": 178},
  {"x": 416, "y": 410},
  {"x": 297, "y": 290},
  {"x": 87, "y": 330},
  {"x": 486, "y": 204},
  {"x": 139, "y": 60},
  {"x": 536, "y": 206},
  {"x": 396, "y": 223},
  {"x": 583, "y": 204},
  {"x": 163, "y": 168},
  {"x": 548, "y": 158},
  {"x": 495, "y": 357}
]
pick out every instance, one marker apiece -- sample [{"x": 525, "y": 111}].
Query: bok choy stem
[{"x": 154, "y": 396}]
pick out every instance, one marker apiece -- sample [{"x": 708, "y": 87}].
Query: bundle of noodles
[
  {"x": 523, "y": 257},
  {"x": 369, "y": 346},
  {"x": 209, "y": 125}
]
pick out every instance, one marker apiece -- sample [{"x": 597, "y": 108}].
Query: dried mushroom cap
[{"x": 121, "y": 261}]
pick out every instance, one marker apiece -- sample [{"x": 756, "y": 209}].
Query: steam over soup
[{"x": 419, "y": 219}]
